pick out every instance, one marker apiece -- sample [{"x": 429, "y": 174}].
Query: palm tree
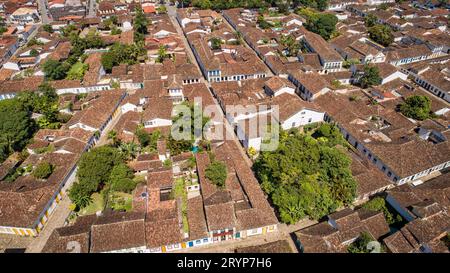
[
  {"x": 162, "y": 54},
  {"x": 112, "y": 135},
  {"x": 130, "y": 150}
]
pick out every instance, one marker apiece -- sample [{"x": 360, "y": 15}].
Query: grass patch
[
  {"x": 97, "y": 204},
  {"x": 77, "y": 71},
  {"x": 121, "y": 201}
]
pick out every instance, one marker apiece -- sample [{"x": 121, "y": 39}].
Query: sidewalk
[{"x": 56, "y": 220}]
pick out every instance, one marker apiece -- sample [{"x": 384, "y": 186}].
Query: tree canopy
[
  {"x": 140, "y": 25},
  {"x": 94, "y": 170},
  {"x": 381, "y": 34},
  {"x": 361, "y": 245},
  {"x": 122, "y": 54},
  {"x": 55, "y": 70},
  {"x": 370, "y": 20},
  {"x": 45, "y": 102},
  {"x": 379, "y": 204},
  {"x": 370, "y": 77},
  {"x": 305, "y": 176},
  {"x": 216, "y": 172},
  {"x": 16, "y": 127},
  {"x": 323, "y": 24},
  {"x": 291, "y": 45},
  {"x": 43, "y": 170},
  {"x": 417, "y": 107},
  {"x": 121, "y": 178}
]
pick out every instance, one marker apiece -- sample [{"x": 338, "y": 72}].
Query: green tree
[
  {"x": 202, "y": 4},
  {"x": 370, "y": 20},
  {"x": 95, "y": 167},
  {"x": 322, "y": 4},
  {"x": 305, "y": 176},
  {"x": 216, "y": 172},
  {"x": 331, "y": 133},
  {"x": 370, "y": 77},
  {"x": 16, "y": 127},
  {"x": 121, "y": 178},
  {"x": 291, "y": 45},
  {"x": 122, "y": 54},
  {"x": 361, "y": 244},
  {"x": 322, "y": 24},
  {"x": 77, "y": 71},
  {"x": 80, "y": 195},
  {"x": 112, "y": 135},
  {"x": 55, "y": 70},
  {"x": 381, "y": 34},
  {"x": 3, "y": 28},
  {"x": 417, "y": 107},
  {"x": 34, "y": 52},
  {"x": 144, "y": 138},
  {"x": 140, "y": 24},
  {"x": 162, "y": 54},
  {"x": 43, "y": 170},
  {"x": 161, "y": 9},
  {"x": 129, "y": 150},
  {"x": 47, "y": 28},
  {"x": 262, "y": 23},
  {"x": 216, "y": 43},
  {"x": 379, "y": 204},
  {"x": 177, "y": 147}
]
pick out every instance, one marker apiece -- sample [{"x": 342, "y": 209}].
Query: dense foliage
[
  {"x": 282, "y": 5},
  {"x": 417, "y": 107},
  {"x": 140, "y": 25},
  {"x": 379, "y": 204},
  {"x": 43, "y": 170},
  {"x": 45, "y": 102},
  {"x": 306, "y": 176},
  {"x": 361, "y": 245},
  {"x": 216, "y": 172},
  {"x": 381, "y": 34},
  {"x": 122, "y": 54},
  {"x": 323, "y": 24},
  {"x": 292, "y": 47},
  {"x": 94, "y": 170},
  {"x": 58, "y": 70},
  {"x": 370, "y": 20},
  {"x": 370, "y": 77},
  {"x": 121, "y": 178},
  {"x": 16, "y": 127},
  {"x": 55, "y": 70}
]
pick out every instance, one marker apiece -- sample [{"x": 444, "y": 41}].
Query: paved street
[
  {"x": 91, "y": 9},
  {"x": 56, "y": 220},
  {"x": 43, "y": 11}
]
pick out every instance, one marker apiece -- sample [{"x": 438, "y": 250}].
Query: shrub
[
  {"x": 217, "y": 173},
  {"x": 43, "y": 170}
]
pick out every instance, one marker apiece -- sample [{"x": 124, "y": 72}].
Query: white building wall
[
  {"x": 158, "y": 122},
  {"x": 302, "y": 118}
]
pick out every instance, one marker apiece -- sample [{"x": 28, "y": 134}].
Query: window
[
  {"x": 383, "y": 169},
  {"x": 389, "y": 174},
  {"x": 293, "y": 124}
]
